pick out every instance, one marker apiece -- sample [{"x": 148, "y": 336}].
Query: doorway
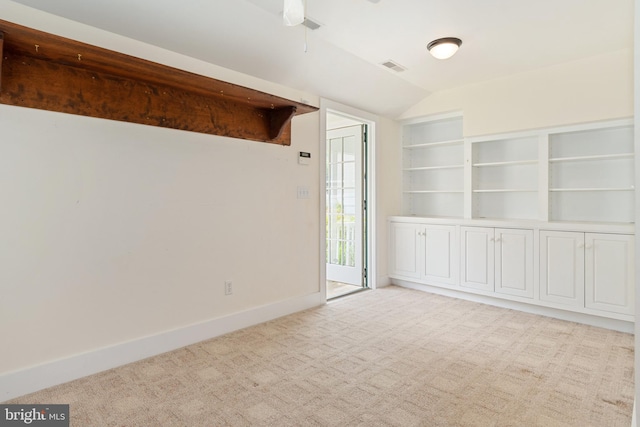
[{"x": 346, "y": 201}]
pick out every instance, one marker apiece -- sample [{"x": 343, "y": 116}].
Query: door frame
[{"x": 370, "y": 251}]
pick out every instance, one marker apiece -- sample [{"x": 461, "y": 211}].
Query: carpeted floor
[{"x": 391, "y": 357}]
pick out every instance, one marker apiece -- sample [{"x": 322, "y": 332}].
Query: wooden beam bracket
[
  {"x": 279, "y": 119},
  {"x": 49, "y": 72}
]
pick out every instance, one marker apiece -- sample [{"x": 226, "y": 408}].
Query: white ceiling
[{"x": 343, "y": 57}]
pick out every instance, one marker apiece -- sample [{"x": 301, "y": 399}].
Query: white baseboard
[
  {"x": 32, "y": 379},
  {"x": 383, "y": 281},
  {"x": 601, "y": 322}
]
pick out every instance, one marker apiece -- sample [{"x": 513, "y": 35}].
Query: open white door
[{"x": 344, "y": 205}]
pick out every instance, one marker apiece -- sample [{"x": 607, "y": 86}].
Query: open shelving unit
[
  {"x": 433, "y": 168},
  {"x": 591, "y": 175},
  {"x": 505, "y": 177},
  {"x": 579, "y": 173}
]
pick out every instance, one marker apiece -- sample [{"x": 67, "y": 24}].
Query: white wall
[
  {"x": 388, "y": 197},
  {"x": 597, "y": 88},
  {"x": 112, "y": 231}
]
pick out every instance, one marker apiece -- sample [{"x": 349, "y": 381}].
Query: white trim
[
  {"x": 636, "y": 144},
  {"x": 531, "y": 133},
  {"x": 29, "y": 380},
  {"x": 433, "y": 117},
  {"x": 601, "y": 322},
  {"x": 328, "y": 106}
]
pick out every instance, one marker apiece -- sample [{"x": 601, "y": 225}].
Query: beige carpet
[{"x": 391, "y": 357}]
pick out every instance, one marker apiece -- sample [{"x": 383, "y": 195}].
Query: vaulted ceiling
[{"x": 342, "y": 59}]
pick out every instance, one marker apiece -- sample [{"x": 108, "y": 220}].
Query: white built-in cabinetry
[
  {"x": 573, "y": 174},
  {"x": 433, "y": 168},
  {"x": 476, "y": 258},
  {"x": 543, "y": 217},
  {"x": 425, "y": 252},
  {"x": 590, "y": 269},
  {"x": 497, "y": 260},
  {"x": 505, "y": 177},
  {"x": 591, "y": 175}
]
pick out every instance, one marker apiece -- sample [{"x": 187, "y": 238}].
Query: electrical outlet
[{"x": 228, "y": 287}]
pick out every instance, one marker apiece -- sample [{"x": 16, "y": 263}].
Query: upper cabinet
[
  {"x": 433, "y": 168},
  {"x": 582, "y": 173}
]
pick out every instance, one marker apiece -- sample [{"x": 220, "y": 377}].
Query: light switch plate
[{"x": 303, "y": 192}]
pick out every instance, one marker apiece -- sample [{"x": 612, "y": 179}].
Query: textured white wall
[
  {"x": 113, "y": 231},
  {"x": 597, "y": 88}
]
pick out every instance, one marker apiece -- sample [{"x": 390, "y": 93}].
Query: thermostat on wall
[{"x": 304, "y": 158}]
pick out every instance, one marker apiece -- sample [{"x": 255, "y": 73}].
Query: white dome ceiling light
[{"x": 444, "y": 48}]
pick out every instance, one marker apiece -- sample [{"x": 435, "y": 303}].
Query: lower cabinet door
[
  {"x": 514, "y": 262},
  {"x": 562, "y": 267},
  {"x": 440, "y": 266},
  {"x": 405, "y": 251},
  {"x": 609, "y": 273},
  {"x": 477, "y": 258}
]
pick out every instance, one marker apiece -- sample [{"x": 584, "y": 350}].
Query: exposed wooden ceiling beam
[{"x": 49, "y": 72}]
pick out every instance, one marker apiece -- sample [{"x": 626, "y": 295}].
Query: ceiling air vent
[
  {"x": 312, "y": 25},
  {"x": 393, "y": 66}
]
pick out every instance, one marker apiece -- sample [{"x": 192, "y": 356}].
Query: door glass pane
[
  {"x": 349, "y": 170},
  {"x": 349, "y": 203},
  {"x": 349, "y": 149},
  {"x": 350, "y": 254},
  {"x": 335, "y": 175},
  {"x": 341, "y": 203},
  {"x": 335, "y": 203},
  {"x": 335, "y": 151}
]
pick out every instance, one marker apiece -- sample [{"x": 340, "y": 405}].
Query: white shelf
[
  {"x": 573, "y": 173},
  {"x": 431, "y": 191},
  {"x": 507, "y": 163},
  {"x": 595, "y": 157},
  {"x": 430, "y": 168},
  {"x": 593, "y": 189},
  {"x": 433, "y": 167},
  {"x": 434, "y": 144},
  {"x": 506, "y": 190}
]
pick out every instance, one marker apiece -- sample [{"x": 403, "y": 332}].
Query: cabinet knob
[
  {"x": 581, "y": 245},
  {"x": 588, "y": 246}
]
